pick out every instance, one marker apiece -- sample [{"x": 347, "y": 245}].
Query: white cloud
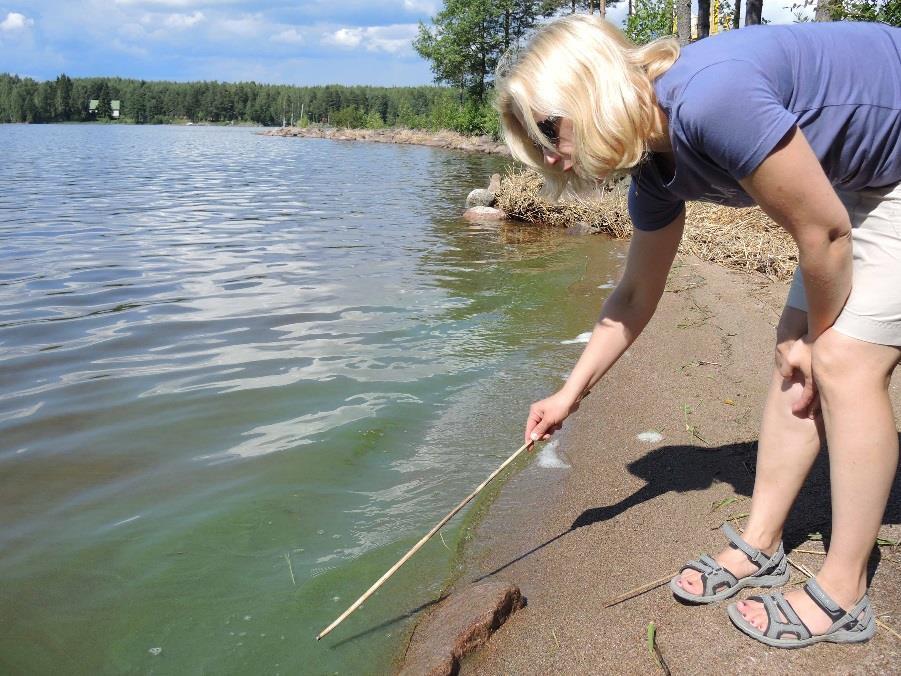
[
  {"x": 289, "y": 36},
  {"x": 182, "y": 21},
  {"x": 248, "y": 25},
  {"x": 429, "y": 7},
  {"x": 15, "y": 22},
  {"x": 345, "y": 37},
  {"x": 126, "y": 48},
  {"x": 391, "y": 39},
  {"x": 172, "y": 4}
]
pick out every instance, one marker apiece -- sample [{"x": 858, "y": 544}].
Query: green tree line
[
  {"x": 464, "y": 43},
  {"x": 67, "y": 99}
]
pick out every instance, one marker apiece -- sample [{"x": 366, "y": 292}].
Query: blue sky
[{"x": 279, "y": 41}]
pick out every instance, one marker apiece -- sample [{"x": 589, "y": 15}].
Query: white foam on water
[
  {"x": 581, "y": 338},
  {"x": 651, "y": 437},
  {"x": 288, "y": 434},
  {"x": 608, "y": 285},
  {"x": 124, "y": 521},
  {"x": 548, "y": 457}
]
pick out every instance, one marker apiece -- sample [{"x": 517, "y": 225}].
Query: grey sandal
[
  {"x": 852, "y": 626},
  {"x": 720, "y": 583}
]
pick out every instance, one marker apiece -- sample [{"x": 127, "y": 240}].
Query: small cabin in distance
[{"x": 115, "y": 106}]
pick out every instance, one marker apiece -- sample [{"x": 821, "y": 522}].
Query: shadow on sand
[
  {"x": 682, "y": 469},
  {"x": 694, "y": 468}
]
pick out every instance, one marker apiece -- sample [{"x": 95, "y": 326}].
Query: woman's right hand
[{"x": 547, "y": 416}]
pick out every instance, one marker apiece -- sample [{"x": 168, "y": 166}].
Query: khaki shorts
[{"x": 873, "y": 310}]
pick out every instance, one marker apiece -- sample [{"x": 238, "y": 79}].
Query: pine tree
[{"x": 104, "y": 105}]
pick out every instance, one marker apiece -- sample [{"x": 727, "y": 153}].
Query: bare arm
[
  {"x": 631, "y": 305},
  {"x": 791, "y": 187},
  {"x": 623, "y": 317}
]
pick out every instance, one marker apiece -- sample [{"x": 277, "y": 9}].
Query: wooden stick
[
  {"x": 369, "y": 592},
  {"x": 638, "y": 591}
]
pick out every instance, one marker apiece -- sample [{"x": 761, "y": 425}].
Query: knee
[
  {"x": 834, "y": 361},
  {"x": 830, "y": 361},
  {"x": 839, "y": 361}
]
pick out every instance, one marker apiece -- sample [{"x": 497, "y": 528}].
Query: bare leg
[
  {"x": 853, "y": 378},
  {"x": 787, "y": 448}
]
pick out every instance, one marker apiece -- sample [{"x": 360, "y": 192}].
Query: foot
[
  {"x": 732, "y": 559},
  {"x": 814, "y": 618}
]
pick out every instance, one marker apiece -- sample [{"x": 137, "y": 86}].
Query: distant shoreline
[{"x": 447, "y": 139}]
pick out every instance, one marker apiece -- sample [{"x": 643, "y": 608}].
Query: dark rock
[
  {"x": 460, "y": 624},
  {"x": 477, "y": 214}
]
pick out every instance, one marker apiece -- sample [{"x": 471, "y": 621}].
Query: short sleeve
[
  {"x": 651, "y": 205},
  {"x": 733, "y": 113}
]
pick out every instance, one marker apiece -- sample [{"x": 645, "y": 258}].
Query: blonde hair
[{"x": 581, "y": 68}]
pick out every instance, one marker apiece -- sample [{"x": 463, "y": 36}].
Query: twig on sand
[
  {"x": 654, "y": 649},
  {"x": 638, "y": 591},
  {"x": 692, "y": 429},
  {"x": 725, "y": 502},
  {"x": 734, "y": 518},
  {"x": 291, "y": 570}
]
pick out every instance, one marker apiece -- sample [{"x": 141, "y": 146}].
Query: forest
[
  {"x": 464, "y": 43},
  {"x": 67, "y": 99}
]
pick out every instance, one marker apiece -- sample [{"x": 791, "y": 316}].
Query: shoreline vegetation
[
  {"x": 744, "y": 240},
  {"x": 442, "y": 138}
]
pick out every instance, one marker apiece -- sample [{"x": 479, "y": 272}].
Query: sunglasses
[{"x": 550, "y": 129}]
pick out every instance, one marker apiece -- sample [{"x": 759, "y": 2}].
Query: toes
[{"x": 689, "y": 582}]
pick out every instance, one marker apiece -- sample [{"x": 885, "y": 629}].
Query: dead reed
[{"x": 739, "y": 239}]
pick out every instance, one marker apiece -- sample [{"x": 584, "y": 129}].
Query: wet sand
[{"x": 628, "y": 511}]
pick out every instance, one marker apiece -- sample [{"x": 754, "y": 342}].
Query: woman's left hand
[{"x": 799, "y": 359}]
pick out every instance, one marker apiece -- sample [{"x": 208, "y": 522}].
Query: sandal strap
[
  {"x": 755, "y": 555},
  {"x": 862, "y": 615},
  {"x": 824, "y": 601},
  {"x": 856, "y": 619},
  {"x": 713, "y": 575},
  {"x": 774, "y": 604},
  {"x": 788, "y": 610}
]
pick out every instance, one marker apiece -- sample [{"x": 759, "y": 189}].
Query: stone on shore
[
  {"x": 478, "y": 214},
  {"x": 462, "y": 623},
  {"x": 480, "y": 197}
]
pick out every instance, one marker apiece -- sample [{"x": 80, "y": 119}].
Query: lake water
[{"x": 240, "y": 376}]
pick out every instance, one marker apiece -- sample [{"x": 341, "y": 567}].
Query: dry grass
[{"x": 739, "y": 239}]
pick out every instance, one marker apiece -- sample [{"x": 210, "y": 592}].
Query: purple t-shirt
[{"x": 730, "y": 99}]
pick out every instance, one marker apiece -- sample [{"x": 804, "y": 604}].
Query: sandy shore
[
  {"x": 628, "y": 512},
  {"x": 441, "y": 139}
]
